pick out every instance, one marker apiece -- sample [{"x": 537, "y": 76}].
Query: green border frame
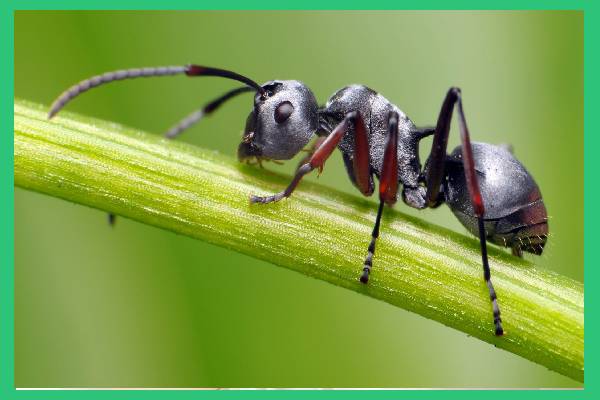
[{"x": 591, "y": 125}]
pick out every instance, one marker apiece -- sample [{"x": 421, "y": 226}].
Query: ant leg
[
  {"x": 322, "y": 153},
  {"x": 435, "y": 174},
  {"x": 517, "y": 251},
  {"x": 311, "y": 150},
  {"x": 388, "y": 188},
  {"x": 209, "y": 108}
]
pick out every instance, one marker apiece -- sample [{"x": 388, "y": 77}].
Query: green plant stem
[{"x": 318, "y": 231}]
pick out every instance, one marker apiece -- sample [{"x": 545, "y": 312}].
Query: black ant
[{"x": 377, "y": 139}]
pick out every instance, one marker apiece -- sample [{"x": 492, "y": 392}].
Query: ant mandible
[{"x": 377, "y": 139}]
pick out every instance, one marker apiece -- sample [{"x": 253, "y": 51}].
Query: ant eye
[{"x": 283, "y": 111}]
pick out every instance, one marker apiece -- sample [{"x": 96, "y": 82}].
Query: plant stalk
[{"x": 319, "y": 232}]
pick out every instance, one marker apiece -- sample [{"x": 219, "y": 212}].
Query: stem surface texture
[{"x": 319, "y": 232}]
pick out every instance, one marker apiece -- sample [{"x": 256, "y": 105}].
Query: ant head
[{"x": 284, "y": 118}]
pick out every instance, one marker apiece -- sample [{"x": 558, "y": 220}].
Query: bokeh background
[{"x": 137, "y": 306}]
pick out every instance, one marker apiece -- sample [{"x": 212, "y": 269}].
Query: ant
[{"x": 377, "y": 139}]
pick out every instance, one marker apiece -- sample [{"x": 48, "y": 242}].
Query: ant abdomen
[{"x": 515, "y": 215}]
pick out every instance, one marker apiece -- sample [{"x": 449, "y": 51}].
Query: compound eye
[{"x": 283, "y": 111}]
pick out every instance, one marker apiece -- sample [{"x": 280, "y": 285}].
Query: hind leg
[{"x": 436, "y": 172}]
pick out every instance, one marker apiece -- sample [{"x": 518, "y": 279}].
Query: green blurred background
[{"x": 140, "y": 307}]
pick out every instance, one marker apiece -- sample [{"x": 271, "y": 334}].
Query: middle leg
[{"x": 388, "y": 188}]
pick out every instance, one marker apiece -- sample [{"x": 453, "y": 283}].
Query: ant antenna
[
  {"x": 189, "y": 70},
  {"x": 209, "y": 108}
]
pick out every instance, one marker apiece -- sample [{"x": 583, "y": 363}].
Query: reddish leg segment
[
  {"x": 322, "y": 153},
  {"x": 388, "y": 188},
  {"x": 435, "y": 174},
  {"x": 311, "y": 150}
]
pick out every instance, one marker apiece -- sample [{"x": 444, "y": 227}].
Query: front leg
[
  {"x": 311, "y": 150},
  {"x": 322, "y": 153}
]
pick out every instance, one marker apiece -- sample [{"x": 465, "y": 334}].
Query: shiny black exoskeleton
[
  {"x": 515, "y": 214},
  {"x": 488, "y": 190}
]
